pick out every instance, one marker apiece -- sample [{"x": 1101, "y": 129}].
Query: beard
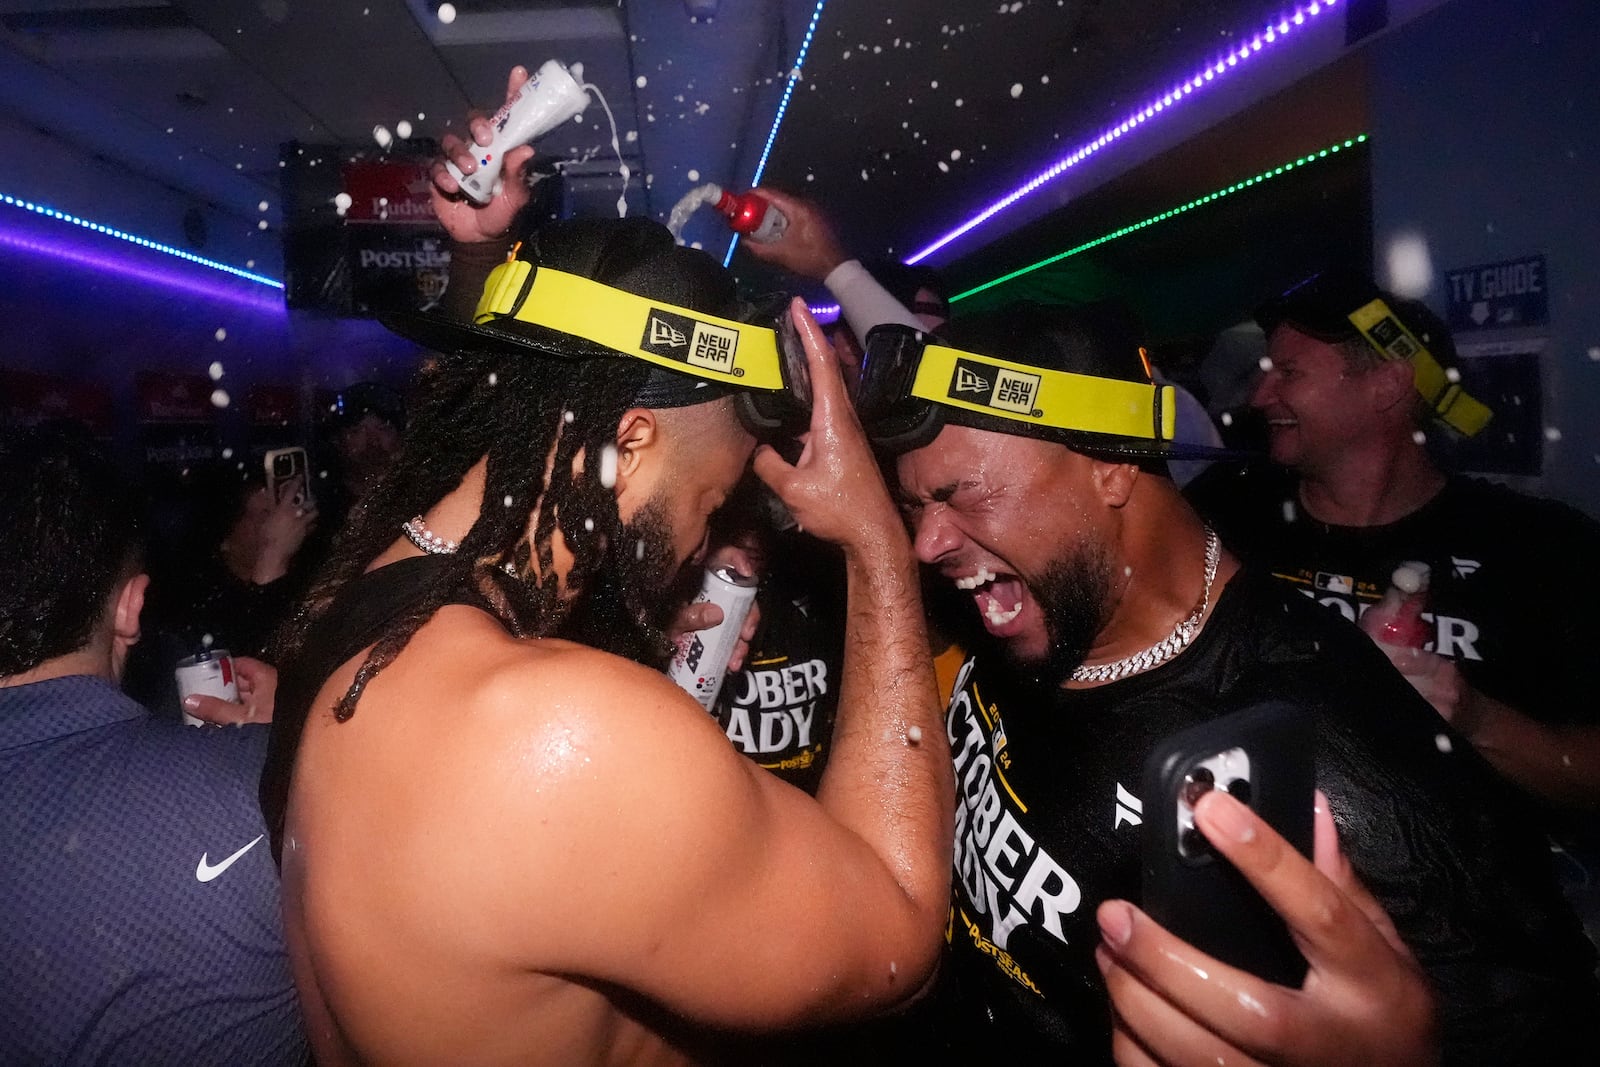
[
  {"x": 1074, "y": 596},
  {"x": 628, "y": 600}
]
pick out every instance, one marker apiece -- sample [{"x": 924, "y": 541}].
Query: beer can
[
  {"x": 700, "y": 661},
  {"x": 209, "y": 673}
]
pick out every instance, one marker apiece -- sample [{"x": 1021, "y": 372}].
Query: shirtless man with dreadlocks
[{"x": 505, "y": 837}]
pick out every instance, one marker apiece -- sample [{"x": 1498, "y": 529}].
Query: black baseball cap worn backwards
[
  {"x": 1339, "y": 306},
  {"x": 623, "y": 288},
  {"x": 1077, "y": 376}
]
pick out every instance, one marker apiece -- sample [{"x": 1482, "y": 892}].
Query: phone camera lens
[
  {"x": 1196, "y": 784},
  {"x": 1239, "y": 789},
  {"x": 1193, "y": 843}
]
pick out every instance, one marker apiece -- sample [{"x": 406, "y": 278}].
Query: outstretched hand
[
  {"x": 808, "y": 247},
  {"x": 1364, "y": 999},
  {"x": 834, "y": 490},
  {"x": 464, "y": 220}
]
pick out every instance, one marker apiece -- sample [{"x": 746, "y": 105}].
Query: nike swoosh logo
[{"x": 205, "y": 871}]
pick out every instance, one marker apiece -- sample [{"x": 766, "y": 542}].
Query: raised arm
[{"x": 710, "y": 886}]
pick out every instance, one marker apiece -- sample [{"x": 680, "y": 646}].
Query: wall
[{"x": 1486, "y": 141}]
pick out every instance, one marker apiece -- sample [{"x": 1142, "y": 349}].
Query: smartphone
[
  {"x": 1263, "y": 756},
  {"x": 284, "y": 465}
]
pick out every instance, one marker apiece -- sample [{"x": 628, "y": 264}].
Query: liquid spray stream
[{"x": 691, "y": 202}]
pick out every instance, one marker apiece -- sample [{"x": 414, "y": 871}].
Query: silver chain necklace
[
  {"x": 1169, "y": 646},
  {"x": 417, "y": 532}
]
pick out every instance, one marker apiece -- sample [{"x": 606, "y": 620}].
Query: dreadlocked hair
[{"x": 529, "y": 416}]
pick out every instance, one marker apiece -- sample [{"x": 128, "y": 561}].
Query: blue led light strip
[
  {"x": 783, "y": 106},
  {"x": 1160, "y": 101},
  {"x": 142, "y": 242},
  {"x": 1163, "y": 216}
]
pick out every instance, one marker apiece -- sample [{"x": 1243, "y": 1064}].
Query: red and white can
[
  {"x": 209, "y": 673},
  {"x": 700, "y": 662}
]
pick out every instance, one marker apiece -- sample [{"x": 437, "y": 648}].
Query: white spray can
[
  {"x": 546, "y": 100},
  {"x": 700, "y": 662}
]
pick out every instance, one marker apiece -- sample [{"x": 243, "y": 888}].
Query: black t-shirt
[
  {"x": 779, "y": 709},
  {"x": 1049, "y": 822},
  {"x": 1514, "y": 589}
]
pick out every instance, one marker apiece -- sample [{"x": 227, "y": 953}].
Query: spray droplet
[
  {"x": 263, "y": 206},
  {"x": 403, "y": 129},
  {"x": 206, "y": 640},
  {"x": 447, "y": 13},
  {"x": 694, "y": 175},
  {"x": 914, "y": 735},
  {"x": 342, "y": 202},
  {"x": 1410, "y": 265},
  {"x": 1594, "y": 353},
  {"x": 640, "y": 82},
  {"x": 227, "y": 453},
  {"x": 507, "y": 500},
  {"x": 382, "y": 135},
  {"x": 221, "y": 334},
  {"x": 494, "y": 379},
  {"x": 567, "y": 417},
  {"x": 943, "y": 166},
  {"x": 588, "y": 525},
  {"x": 608, "y": 466},
  {"x": 1452, "y": 375},
  {"x": 955, "y": 154},
  {"x": 1265, "y": 363},
  {"x": 1419, "y": 437},
  {"x": 638, "y": 550},
  {"x": 215, "y": 370},
  {"x": 959, "y": 101},
  {"x": 1226, "y": 418},
  {"x": 1442, "y": 743},
  {"x": 1016, "y": 90},
  {"x": 1290, "y": 511},
  {"x": 1552, "y": 433},
  {"x": 933, "y": 84},
  {"x": 261, "y": 225},
  {"x": 219, "y": 398}
]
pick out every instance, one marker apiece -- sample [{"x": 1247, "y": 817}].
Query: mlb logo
[{"x": 1334, "y": 583}]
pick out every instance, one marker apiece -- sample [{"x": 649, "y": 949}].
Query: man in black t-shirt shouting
[
  {"x": 1032, "y": 459},
  {"x": 1357, "y": 380}
]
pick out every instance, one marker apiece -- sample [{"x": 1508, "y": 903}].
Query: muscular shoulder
[{"x": 574, "y": 706}]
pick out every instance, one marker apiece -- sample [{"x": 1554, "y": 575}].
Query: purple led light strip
[
  {"x": 128, "y": 267},
  {"x": 1273, "y": 33}
]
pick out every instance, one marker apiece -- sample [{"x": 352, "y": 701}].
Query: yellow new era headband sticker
[
  {"x": 1385, "y": 332},
  {"x": 669, "y": 336},
  {"x": 1051, "y": 398}
]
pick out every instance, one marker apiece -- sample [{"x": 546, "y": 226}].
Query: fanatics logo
[{"x": 699, "y": 344}]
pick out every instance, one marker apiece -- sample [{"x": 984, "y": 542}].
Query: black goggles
[
  {"x": 702, "y": 355},
  {"x": 910, "y": 385}
]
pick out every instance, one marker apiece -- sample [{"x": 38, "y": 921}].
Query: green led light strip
[{"x": 1165, "y": 215}]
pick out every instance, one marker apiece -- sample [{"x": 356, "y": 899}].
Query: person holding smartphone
[{"x": 1032, "y": 447}]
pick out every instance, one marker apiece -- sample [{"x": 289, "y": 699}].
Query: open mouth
[{"x": 999, "y": 598}]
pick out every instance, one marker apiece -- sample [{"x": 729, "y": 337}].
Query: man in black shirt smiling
[{"x": 1032, "y": 472}]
